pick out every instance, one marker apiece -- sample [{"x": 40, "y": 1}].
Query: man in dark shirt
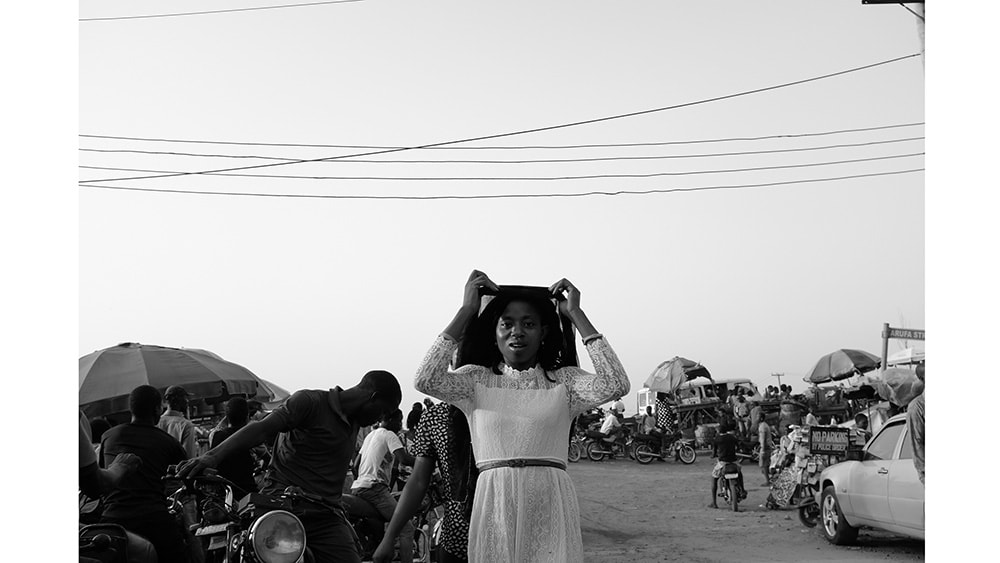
[
  {"x": 316, "y": 433},
  {"x": 442, "y": 438},
  {"x": 725, "y": 446},
  {"x": 238, "y": 467},
  {"x": 139, "y": 504}
]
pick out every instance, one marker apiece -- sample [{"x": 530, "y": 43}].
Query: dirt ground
[{"x": 659, "y": 512}]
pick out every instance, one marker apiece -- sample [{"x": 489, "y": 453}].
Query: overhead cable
[
  {"x": 527, "y": 161},
  {"x": 544, "y": 178},
  {"x": 216, "y": 11},
  {"x": 502, "y": 196},
  {"x": 912, "y": 12},
  {"x": 537, "y": 129},
  {"x": 509, "y": 147}
]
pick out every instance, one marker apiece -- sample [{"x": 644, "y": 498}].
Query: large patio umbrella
[
  {"x": 108, "y": 376},
  {"x": 842, "y": 364},
  {"x": 672, "y": 373},
  {"x": 270, "y": 394}
]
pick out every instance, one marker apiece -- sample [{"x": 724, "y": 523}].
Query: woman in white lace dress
[{"x": 519, "y": 387}]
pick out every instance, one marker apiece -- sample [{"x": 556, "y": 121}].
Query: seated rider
[
  {"x": 380, "y": 449},
  {"x": 139, "y": 502},
  {"x": 611, "y": 427},
  {"x": 726, "y": 447},
  {"x": 666, "y": 420}
]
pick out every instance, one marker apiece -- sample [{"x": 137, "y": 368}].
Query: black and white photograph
[{"x": 504, "y": 282}]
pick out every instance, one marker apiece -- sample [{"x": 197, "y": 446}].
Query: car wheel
[{"x": 835, "y": 526}]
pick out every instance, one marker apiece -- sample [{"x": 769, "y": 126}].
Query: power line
[
  {"x": 504, "y": 196},
  {"x": 216, "y": 11},
  {"x": 538, "y": 129},
  {"x": 519, "y": 147},
  {"x": 528, "y": 161},
  {"x": 543, "y": 178},
  {"x": 911, "y": 11}
]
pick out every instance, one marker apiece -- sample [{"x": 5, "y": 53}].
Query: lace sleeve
[
  {"x": 435, "y": 379},
  {"x": 588, "y": 390}
]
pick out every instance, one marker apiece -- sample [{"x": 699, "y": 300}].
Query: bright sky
[{"x": 312, "y": 292}]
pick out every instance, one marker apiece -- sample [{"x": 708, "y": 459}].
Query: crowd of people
[{"x": 506, "y": 370}]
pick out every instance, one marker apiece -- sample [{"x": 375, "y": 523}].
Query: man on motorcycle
[
  {"x": 611, "y": 427},
  {"x": 316, "y": 433},
  {"x": 380, "y": 448},
  {"x": 726, "y": 445},
  {"x": 139, "y": 504}
]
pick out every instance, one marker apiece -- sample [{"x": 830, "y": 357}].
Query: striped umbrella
[
  {"x": 108, "y": 376},
  {"x": 842, "y": 364}
]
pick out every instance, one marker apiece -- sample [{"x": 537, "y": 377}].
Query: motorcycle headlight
[{"x": 278, "y": 537}]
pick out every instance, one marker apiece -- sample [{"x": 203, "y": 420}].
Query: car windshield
[{"x": 883, "y": 445}]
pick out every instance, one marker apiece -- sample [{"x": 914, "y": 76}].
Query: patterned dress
[
  {"x": 525, "y": 514},
  {"x": 436, "y": 439}
]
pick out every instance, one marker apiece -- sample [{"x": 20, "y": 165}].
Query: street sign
[
  {"x": 905, "y": 333},
  {"x": 828, "y": 440}
]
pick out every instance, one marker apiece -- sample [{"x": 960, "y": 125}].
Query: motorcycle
[
  {"x": 600, "y": 446},
  {"x": 730, "y": 485},
  {"x": 257, "y": 528},
  {"x": 577, "y": 445},
  {"x": 809, "y": 487},
  {"x": 369, "y": 526},
  {"x": 111, "y": 543},
  {"x": 648, "y": 448}
]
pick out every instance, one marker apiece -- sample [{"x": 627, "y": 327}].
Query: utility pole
[{"x": 779, "y": 376}]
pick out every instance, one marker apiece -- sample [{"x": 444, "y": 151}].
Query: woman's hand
[
  {"x": 477, "y": 281},
  {"x": 570, "y": 302}
]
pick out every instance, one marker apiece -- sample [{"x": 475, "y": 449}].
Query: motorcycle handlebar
[{"x": 209, "y": 475}]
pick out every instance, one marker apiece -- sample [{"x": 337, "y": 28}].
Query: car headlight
[{"x": 278, "y": 537}]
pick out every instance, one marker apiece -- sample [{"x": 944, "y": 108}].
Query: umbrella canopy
[
  {"x": 270, "y": 395},
  {"x": 842, "y": 364},
  {"x": 669, "y": 375},
  {"x": 108, "y": 376}
]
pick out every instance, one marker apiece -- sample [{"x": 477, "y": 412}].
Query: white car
[{"x": 880, "y": 491}]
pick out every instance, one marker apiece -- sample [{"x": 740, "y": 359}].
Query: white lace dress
[{"x": 523, "y": 514}]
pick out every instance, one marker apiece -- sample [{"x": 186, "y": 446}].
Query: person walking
[
  {"x": 442, "y": 442},
  {"x": 519, "y": 388},
  {"x": 764, "y": 437}
]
